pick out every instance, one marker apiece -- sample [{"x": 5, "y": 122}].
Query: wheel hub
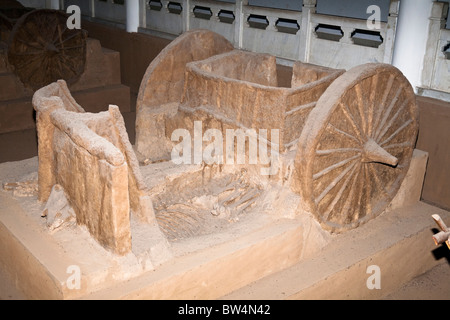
[
  {"x": 51, "y": 49},
  {"x": 373, "y": 152}
]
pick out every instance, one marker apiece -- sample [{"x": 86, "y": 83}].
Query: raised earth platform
[
  {"x": 398, "y": 245},
  {"x": 259, "y": 257}
]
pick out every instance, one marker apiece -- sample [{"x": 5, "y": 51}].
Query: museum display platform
[{"x": 259, "y": 257}]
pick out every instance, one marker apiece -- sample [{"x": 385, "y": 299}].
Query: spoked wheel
[
  {"x": 356, "y": 146},
  {"x": 43, "y": 50}
]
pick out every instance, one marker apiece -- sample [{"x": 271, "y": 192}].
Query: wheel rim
[
  {"x": 43, "y": 50},
  {"x": 356, "y": 146}
]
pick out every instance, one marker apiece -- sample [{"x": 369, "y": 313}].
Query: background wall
[{"x": 434, "y": 137}]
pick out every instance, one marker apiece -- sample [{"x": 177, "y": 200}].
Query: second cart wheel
[
  {"x": 356, "y": 146},
  {"x": 43, "y": 50}
]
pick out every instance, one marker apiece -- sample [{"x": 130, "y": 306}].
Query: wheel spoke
[
  {"x": 376, "y": 178},
  {"x": 54, "y": 33},
  {"x": 348, "y": 206},
  {"x": 373, "y": 87},
  {"x": 381, "y": 106},
  {"x": 61, "y": 42},
  {"x": 367, "y": 189},
  {"x": 360, "y": 98},
  {"x": 58, "y": 38},
  {"x": 359, "y": 192},
  {"x": 28, "y": 53},
  {"x": 355, "y": 126},
  {"x": 335, "y": 182},
  {"x": 69, "y": 64},
  {"x": 30, "y": 44},
  {"x": 72, "y": 47},
  {"x": 343, "y": 133},
  {"x": 33, "y": 72},
  {"x": 33, "y": 37},
  {"x": 60, "y": 68},
  {"x": 392, "y": 136},
  {"x": 338, "y": 196},
  {"x": 393, "y": 119},
  {"x": 28, "y": 61},
  {"x": 339, "y": 150},
  {"x": 387, "y": 113},
  {"x": 67, "y": 67},
  {"x": 399, "y": 145},
  {"x": 334, "y": 167}
]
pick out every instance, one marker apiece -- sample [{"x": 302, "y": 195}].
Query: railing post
[
  {"x": 390, "y": 31},
  {"x": 309, "y": 8},
  {"x": 239, "y": 31},
  {"x": 92, "y": 8},
  {"x": 437, "y": 22},
  {"x": 411, "y": 38},
  {"x": 186, "y": 15},
  {"x": 132, "y": 22}
]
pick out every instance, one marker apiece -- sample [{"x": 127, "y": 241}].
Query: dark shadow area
[{"x": 441, "y": 251}]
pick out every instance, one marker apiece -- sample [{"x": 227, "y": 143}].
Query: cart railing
[
  {"x": 287, "y": 34},
  {"x": 437, "y": 55}
]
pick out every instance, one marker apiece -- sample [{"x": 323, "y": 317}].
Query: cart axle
[{"x": 373, "y": 152}]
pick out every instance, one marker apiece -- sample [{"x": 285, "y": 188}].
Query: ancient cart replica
[
  {"x": 350, "y": 134},
  {"x": 39, "y": 46},
  {"x": 344, "y": 143}
]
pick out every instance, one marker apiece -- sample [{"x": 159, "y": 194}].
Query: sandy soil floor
[{"x": 432, "y": 285}]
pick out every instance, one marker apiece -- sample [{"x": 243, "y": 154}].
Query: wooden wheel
[
  {"x": 356, "y": 146},
  {"x": 43, "y": 50}
]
